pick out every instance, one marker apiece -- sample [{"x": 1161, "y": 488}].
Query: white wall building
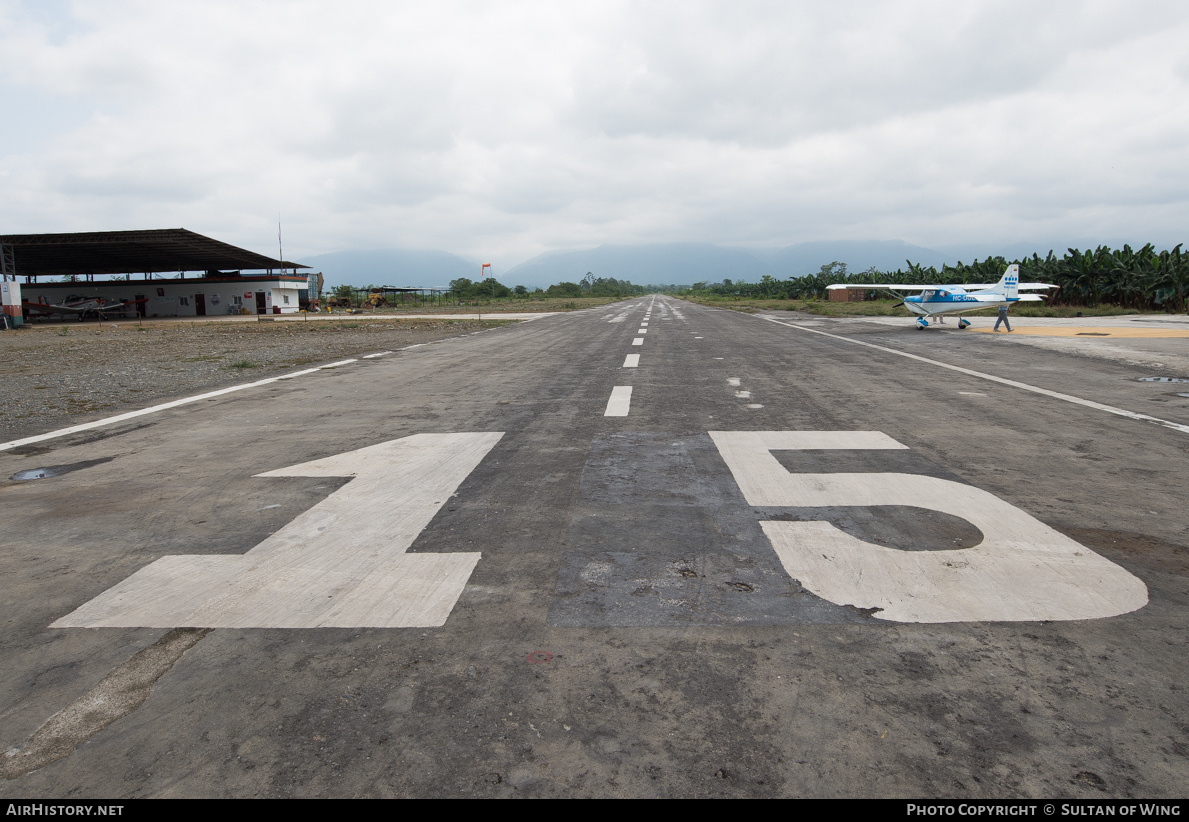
[
  {"x": 149, "y": 269},
  {"x": 189, "y": 297}
]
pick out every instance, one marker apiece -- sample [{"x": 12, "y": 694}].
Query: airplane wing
[
  {"x": 1021, "y": 286},
  {"x": 119, "y": 306},
  {"x": 882, "y": 287},
  {"x": 46, "y": 308}
]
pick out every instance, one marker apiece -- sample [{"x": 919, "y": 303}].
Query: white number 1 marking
[
  {"x": 1023, "y": 570},
  {"x": 340, "y": 564}
]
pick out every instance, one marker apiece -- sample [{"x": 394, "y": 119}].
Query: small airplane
[
  {"x": 82, "y": 306},
  {"x": 937, "y": 300}
]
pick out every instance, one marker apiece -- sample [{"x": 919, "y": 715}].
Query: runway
[{"x": 650, "y": 549}]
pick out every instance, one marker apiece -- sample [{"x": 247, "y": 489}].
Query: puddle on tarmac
[{"x": 55, "y": 470}]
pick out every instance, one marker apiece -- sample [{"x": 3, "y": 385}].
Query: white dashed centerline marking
[
  {"x": 638, "y": 341},
  {"x": 620, "y": 401},
  {"x": 631, "y": 361}
]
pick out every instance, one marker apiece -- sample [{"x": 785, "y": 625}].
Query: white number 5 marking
[
  {"x": 1023, "y": 570},
  {"x": 340, "y": 564}
]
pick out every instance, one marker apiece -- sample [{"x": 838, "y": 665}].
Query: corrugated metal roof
[{"x": 130, "y": 252}]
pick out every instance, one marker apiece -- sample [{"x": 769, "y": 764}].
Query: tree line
[
  {"x": 464, "y": 289},
  {"x": 588, "y": 286},
  {"x": 1143, "y": 279}
]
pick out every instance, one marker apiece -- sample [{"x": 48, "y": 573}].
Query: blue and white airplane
[{"x": 935, "y": 300}]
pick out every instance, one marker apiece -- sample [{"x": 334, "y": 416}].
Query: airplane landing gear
[
  {"x": 922, "y": 323},
  {"x": 963, "y": 323}
]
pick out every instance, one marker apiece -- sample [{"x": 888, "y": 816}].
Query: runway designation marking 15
[
  {"x": 342, "y": 563},
  {"x": 1022, "y": 571}
]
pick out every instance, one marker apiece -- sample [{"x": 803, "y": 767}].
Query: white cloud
[{"x": 506, "y": 129}]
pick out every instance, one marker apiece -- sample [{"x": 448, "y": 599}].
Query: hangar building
[{"x": 150, "y": 271}]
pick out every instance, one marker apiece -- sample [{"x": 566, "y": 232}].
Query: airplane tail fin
[{"x": 1009, "y": 283}]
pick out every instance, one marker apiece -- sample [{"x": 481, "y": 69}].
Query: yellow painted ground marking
[{"x": 1098, "y": 331}]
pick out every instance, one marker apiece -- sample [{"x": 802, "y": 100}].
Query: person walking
[{"x": 1002, "y": 318}]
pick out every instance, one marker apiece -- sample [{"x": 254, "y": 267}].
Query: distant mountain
[
  {"x": 396, "y": 267},
  {"x": 886, "y": 255},
  {"x": 641, "y": 264},
  {"x": 680, "y": 263}
]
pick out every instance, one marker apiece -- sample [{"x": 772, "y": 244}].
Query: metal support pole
[{"x": 7, "y": 262}]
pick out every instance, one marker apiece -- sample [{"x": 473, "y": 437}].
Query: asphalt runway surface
[{"x": 650, "y": 549}]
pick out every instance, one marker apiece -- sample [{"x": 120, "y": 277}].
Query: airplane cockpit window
[{"x": 927, "y": 295}]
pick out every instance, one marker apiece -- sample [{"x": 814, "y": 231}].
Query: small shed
[{"x": 848, "y": 295}]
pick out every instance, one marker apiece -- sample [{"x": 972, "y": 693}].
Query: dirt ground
[
  {"x": 535, "y": 305},
  {"x": 53, "y": 374}
]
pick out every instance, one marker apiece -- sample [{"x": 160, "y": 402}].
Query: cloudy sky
[{"x": 504, "y": 129}]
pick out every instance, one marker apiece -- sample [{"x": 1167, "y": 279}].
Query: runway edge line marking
[
  {"x": 165, "y": 406},
  {"x": 1110, "y": 409}
]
